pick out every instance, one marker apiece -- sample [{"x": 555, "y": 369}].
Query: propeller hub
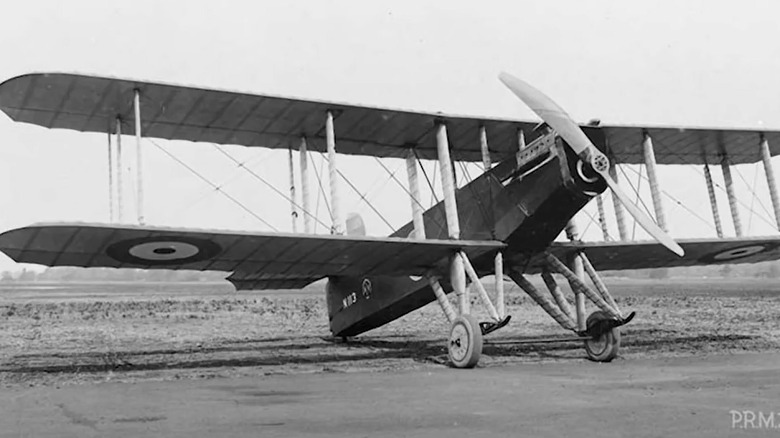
[{"x": 598, "y": 161}]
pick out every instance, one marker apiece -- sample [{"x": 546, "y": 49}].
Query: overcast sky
[{"x": 700, "y": 63}]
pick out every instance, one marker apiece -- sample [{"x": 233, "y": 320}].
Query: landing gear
[
  {"x": 465, "y": 344},
  {"x": 604, "y": 343}
]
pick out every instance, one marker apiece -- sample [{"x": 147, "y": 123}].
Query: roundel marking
[
  {"x": 738, "y": 252},
  {"x": 163, "y": 250},
  {"x": 366, "y": 288}
]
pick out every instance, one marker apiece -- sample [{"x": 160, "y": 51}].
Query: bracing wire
[
  {"x": 754, "y": 195},
  {"x": 752, "y": 200},
  {"x": 685, "y": 207},
  {"x": 592, "y": 221},
  {"x": 363, "y": 196},
  {"x": 425, "y": 174},
  {"x": 214, "y": 186},
  {"x": 405, "y": 189},
  {"x": 635, "y": 189},
  {"x": 638, "y": 188},
  {"x": 232, "y": 177},
  {"x": 400, "y": 184},
  {"x": 432, "y": 183},
  {"x": 723, "y": 189},
  {"x": 264, "y": 181},
  {"x": 322, "y": 190}
]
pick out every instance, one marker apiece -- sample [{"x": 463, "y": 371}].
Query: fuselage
[{"x": 525, "y": 202}]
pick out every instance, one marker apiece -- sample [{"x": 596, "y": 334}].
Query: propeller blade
[
  {"x": 548, "y": 111},
  {"x": 569, "y": 130},
  {"x": 642, "y": 219}
]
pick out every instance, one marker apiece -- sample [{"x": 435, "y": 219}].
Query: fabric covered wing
[
  {"x": 607, "y": 256},
  {"x": 678, "y": 145},
  {"x": 259, "y": 260},
  {"x": 176, "y": 112}
]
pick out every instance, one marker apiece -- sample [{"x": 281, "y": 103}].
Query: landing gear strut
[{"x": 465, "y": 344}]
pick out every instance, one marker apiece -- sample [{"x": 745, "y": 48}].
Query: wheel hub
[{"x": 459, "y": 342}]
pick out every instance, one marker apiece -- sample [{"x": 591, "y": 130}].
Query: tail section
[{"x": 355, "y": 225}]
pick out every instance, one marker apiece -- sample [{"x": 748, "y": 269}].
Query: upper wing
[
  {"x": 640, "y": 255},
  {"x": 679, "y": 145},
  {"x": 257, "y": 260},
  {"x": 90, "y": 103}
]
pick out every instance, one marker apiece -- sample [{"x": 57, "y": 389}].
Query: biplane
[{"x": 537, "y": 176}]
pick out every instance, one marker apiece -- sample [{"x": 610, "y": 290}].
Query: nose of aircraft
[{"x": 561, "y": 122}]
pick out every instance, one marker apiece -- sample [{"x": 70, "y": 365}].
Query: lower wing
[
  {"x": 639, "y": 255},
  {"x": 257, "y": 260}
]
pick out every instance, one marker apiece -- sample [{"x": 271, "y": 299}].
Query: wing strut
[
  {"x": 139, "y": 159},
  {"x": 766, "y": 157},
  {"x": 726, "y": 168},
  {"x": 335, "y": 201},
  {"x": 293, "y": 208},
  {"x": 414, "y": 195},
  {"x": 305, "y": 194},
  {"x": 713, "y": 199},
  {"x": 457, "y": 270},
  {"x": 419, "y": 233},
  {"x": 620, "y": 216},
  {"x": 498, "y": 261},
  {"x": 110, "y": 179},
  {"x": 655, "y": 188},
  {"x": 120, "y": 206},
  {"x": 602, "y": 216}
]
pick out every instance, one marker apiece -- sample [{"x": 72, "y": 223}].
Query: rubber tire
[
  {"x": 465, "y": 325},
  {"x": 607, "y": 346}
]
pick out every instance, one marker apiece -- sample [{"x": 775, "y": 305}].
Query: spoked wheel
[
  {"x": 605, "y": 346},
  {"x": 465, "y": 344}
]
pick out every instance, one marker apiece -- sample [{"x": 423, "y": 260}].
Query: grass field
[{"x": 66, "y": 333}]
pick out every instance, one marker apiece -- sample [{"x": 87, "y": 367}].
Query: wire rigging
[
  {"x": 363, "y": 196},
  {"x": 685, "y": 207},
  {"x": 214, "y": 186},
  {"x": 754, "y": 195},
  {"x": 723, "y": 189},
  {"x": 319, "y": 192},
  {"x": 233, "y": 177},
  {"x": 264, "y": 181},
  {"x": 322, "y": 190},
  {"x": 638, "y": 188}
]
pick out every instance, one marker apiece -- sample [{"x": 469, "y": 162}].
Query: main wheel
[
  {"x": 465, "y": 344},
  {"x": 605, "y": 347}
]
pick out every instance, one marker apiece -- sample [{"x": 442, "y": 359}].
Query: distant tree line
[
  {"x": 65, "y": 274},
  {"x": 755, "y": 270}
]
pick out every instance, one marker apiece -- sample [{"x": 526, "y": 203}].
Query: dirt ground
[
  {"x": 686, "y": 396},
  {"x": 59, "y": 335}
]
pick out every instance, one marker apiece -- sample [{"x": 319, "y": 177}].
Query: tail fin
[{"x": 355, "y": 225}]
